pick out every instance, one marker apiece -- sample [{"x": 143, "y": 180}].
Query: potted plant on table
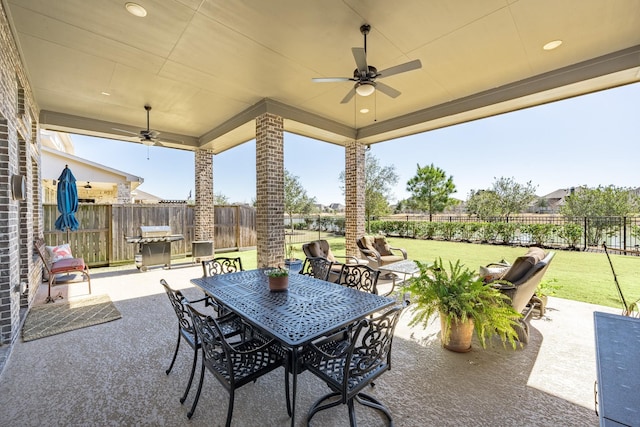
[
  {"x": 278, "y": 279},
  {"x": 464, "y": 303}
]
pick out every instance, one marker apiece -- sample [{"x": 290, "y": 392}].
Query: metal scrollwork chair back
[
  {"x": 361, "y": 277},
  {"x": 348, "y": 362},
  {"x": 230, "y": 324},
  {"x": 233, "y": 365},
  {"x": 319, "y": 267},
  {"x": 221, "y": 265}
]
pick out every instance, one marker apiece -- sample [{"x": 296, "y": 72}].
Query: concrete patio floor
[{"x": 113, "y": 374}]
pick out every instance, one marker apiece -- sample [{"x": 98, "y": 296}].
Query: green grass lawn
[{"x": 580, "y": 276}]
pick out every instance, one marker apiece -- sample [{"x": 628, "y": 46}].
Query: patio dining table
[{"x": 309, "y": 309}]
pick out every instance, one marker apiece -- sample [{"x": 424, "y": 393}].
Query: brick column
[
  {"x": 354, "y": 196},
  {"x": 203, "y": 212},
  {"x": 270, "y": 190}
]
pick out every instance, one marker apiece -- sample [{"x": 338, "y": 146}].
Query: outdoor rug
[{"x": 51, "y": 319}]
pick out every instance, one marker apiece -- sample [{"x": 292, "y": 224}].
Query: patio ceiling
[{"x": 209, "y": 67}]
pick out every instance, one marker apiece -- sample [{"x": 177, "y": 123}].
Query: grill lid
[{"x": 146, "y": 231}]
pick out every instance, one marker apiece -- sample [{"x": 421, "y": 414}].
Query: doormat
[{"x": 51, "y": 319}]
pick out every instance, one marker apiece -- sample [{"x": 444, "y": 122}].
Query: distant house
[
  {"x": 552, "y": 202},
  {"x": 96, "y": 183},
  {"x": 337, "y": 207}
]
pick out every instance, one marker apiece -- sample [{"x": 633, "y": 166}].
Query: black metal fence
[{"x": 621, "y": 234}]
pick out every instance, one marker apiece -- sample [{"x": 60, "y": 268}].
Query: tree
[
  {"x": 600, "y": 205},
  {"x": 512, "y": 197},
  {"x": 378, "y": 184},
  {"x": 430, "y": 189},
  {"x": 601, "y": 201},
  {"x": 483, "y": 204},
  {"x": 220, "y": 199},
  {"x": 296, "y": 200}
]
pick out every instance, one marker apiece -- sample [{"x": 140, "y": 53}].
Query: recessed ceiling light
[
  {"x": 105, "y": 93},
  {"x": 552, "y": 45},
  {"x": 364, "y": 110},
  {"x": 135, "y": 9}
]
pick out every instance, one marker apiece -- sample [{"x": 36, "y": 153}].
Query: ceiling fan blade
[
  {"x": 126, "y": 131},
  {"x": 387, "y": 90},
  {"x": 407, "y": 66},
  {"x": 330, "y": 79},
  {"x": 360, "y": 55},
  {"x": 348, "y": 96}
]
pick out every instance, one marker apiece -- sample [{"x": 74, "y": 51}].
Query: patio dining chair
[
  {"x": 233, "y": 365},
  {"x": 221, "y": 265},
  {"x": 230, "y": 324},
  {"x": 360, "y": 277},
  {"x": 319, "y": 267},
  {"x": 349, "y": 361}
]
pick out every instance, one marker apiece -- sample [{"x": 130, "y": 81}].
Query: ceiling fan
[
  {"x": 147, "y": 136},
  {"x": 365, "y": 75}
]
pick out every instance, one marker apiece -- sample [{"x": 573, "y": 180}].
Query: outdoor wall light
[
  {"x": 135, "y": 9},
  {"x": 365, "y": 88}
]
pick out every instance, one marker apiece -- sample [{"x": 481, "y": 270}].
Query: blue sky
[{"x": 589, "y": 140}]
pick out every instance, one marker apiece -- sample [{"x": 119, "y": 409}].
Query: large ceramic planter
[
  {"x": 460, "y": 335},
  {"x": 293, "y": 265},
  {"x": 278, "y": 284}
]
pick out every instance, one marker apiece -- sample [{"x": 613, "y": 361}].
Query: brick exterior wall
[
  {"x": 354, "y": 196},
  {"x": 20, "y": 220},
  {"x": 270, "y": 190},
  {"x": 204, "y": 219}
]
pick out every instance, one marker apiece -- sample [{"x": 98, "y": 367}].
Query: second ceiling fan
[{"x": 366, "y": 75}]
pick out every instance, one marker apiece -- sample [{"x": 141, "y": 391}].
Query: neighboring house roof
[
  {"x": 54, "y": 161},
  {"x": 144, "y": 197}
]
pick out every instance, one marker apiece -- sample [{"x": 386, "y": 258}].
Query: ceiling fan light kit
[
  {"x": 365, "y": 75},
  {"x": 365, "y": 88}
]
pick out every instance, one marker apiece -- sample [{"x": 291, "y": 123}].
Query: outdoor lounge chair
[
  {"x": 67, "y": 265},
  {"x": 520, "y": 282},
  {"x": 321, "y": 249},
  {"x": 378, "y": 252}
]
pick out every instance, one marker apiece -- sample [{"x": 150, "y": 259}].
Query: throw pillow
[
  {"x": 382, "y": 246},
  {"x": 523, "y": 264},
  {"x": 56, "y": 253},
  {"x": 490, "y": 274}
]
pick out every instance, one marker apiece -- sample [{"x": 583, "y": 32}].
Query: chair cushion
[
  {"x": 523, "y": 264},
  {"x": 388, "y": 259},
  {"x": 56, "y": 253},
  {"x": 490, "y": 274},
  {"x": 67, "y": 264},
  {"x": 314, "y": 250},
  {"x": 382, "y": 246},
  {"x": 367, "y": 242}
]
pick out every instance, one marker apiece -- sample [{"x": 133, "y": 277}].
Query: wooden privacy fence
[{"x": 100, "y": 239}]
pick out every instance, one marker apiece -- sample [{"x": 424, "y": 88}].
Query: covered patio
[
  {"x": 220, "y": 74},
  {"x": 113, "y": 374}
]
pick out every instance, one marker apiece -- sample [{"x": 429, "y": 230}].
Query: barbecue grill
[{"x": 154, "y": 246}]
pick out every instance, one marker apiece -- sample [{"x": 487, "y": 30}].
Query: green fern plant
[{"x": 460, "y": 294}]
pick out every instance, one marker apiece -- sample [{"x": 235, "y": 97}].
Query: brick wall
[
  {"x": 270, "y": 190},
  {"x": 19, "y": 219},
  {"x": 203, "y": 217},
  {"x": 354, "y": 196}
]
